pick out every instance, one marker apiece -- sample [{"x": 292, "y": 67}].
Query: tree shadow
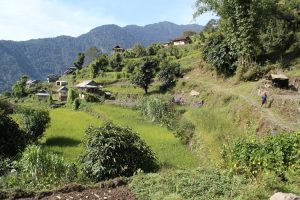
[{"x": 61, "y": 142}]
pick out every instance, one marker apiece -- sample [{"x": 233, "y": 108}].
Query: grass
[
  {"x": 168, "y": 149},
  {"x": 67, "y": 128},
  {"x": 67, "y": 131}
]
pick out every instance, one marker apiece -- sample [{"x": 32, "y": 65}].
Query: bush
[
  {"x": 185, "y": 131},
  {"x": 33, "y": 122},
  {"x": 276, "y": 154},
  {"x": 71, "y": 96},
  {"x": 5, "y": 165},
  {"x": 76, "y": 104},
  {"x": 159, "y": 111},
  {"x": 112, "y": 151},
  {"x": 11, "y": 137}
]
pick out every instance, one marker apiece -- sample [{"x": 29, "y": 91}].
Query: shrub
[
  {"x": 276, "y": 154},
  {"x": 71, "y": 96},
  {"x": 76, "y": 104},
  {"x": 40, "y": 166},
  {"x": 33, "y": 122},
  {"x": 159, "y": 111},
  {"x": 11, "y": 137},
  {"x": 185, "y": 131},
  {"x": 5, "y": 165},
  {"x": 112, "y": 151}
]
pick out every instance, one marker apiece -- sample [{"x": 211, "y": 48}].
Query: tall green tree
[
  {"x": 146, "y": 73},
  {"x": 11, "y": 137},
  {"x": 139, "y": 50},
  {"x": 33, "y": 122},
  {"x": 116, "y": 62},
  {"x": 79, "y": 61},
  {"x": 240, "y": 22},
  {"x": 169, "y": 72},
  {"x": 99, "y": 65},
  {"x": 19, "y": 88}
]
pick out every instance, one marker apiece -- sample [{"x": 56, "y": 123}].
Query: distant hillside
[{"x": 39, "y": 57}]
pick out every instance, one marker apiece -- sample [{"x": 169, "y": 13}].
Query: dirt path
[
  {"x": 112, "y": 190},
  {"x": 267, "y": 113}
]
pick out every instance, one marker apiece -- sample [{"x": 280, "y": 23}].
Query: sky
[{"x": 31, "y": 19}]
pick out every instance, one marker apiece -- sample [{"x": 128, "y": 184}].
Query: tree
[
  {"x": 19, "y": 88},
  {"x": 79, "y": 61},
  {"x": 139, "y": 50},
  {"x": 240, "y": 23},
  {"x": 168, "y": 73},
  {"x": 144, "y": 77},
  {"x": 90, "y": 55},
  {"x": 71, "y": 96},
  {"x": 11, "y": 137},
  {"x": 188, "y": 33},
  {"x": 153, "y": 49},
  {"x": 211, "y": 25},
  {"x": 33, "y": 122},
  {"x": 99, "y": 65},
  {"x": 218, "y": 53},
  {"x": 112, "y": 151},
  {"x": 174, "y": 51},
  {"x": 116, "y": 62}
]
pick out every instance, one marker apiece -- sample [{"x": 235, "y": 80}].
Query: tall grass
[{"x": 214, "y": 128}]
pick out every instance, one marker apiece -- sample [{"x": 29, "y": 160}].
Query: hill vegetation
[
  {"x": 193, "y": 112},
  {"x": 40, "y": 57}
]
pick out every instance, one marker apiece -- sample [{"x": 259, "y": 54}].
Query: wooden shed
[
  {"x": 279, "y": 80},
  {"x": 118, "y": 49}
]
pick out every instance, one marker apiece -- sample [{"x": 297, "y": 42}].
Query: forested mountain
[{"x": 39, "y": 57}]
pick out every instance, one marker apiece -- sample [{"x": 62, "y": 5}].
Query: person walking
[{"x": 264, "y": 99}]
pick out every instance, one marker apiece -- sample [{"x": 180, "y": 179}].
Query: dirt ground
[{"x": 114, "y": 190}]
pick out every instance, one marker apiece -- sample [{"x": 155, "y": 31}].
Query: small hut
[
  {"x": 118, "y": 49},
  {"x": 63, "y": 93},
  {"x": 181, "y": 41},
  {"x": 279, "y": 80},
  {"x": 88, "y": 86},
  {"x": 43, "y": 95}
]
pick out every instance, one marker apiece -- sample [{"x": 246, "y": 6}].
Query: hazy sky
[{"x": 27, "y": 19}]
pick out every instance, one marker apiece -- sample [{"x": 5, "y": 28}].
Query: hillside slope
[{"x": 39, "y": 57}]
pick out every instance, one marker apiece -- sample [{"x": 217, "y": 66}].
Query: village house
[
  {"x": 52, "y": 78},
  {"x": 181, "y": 41},
  {"x": 61, "y": 83},
  {"x": 118, "y": 49},
  {"x": 62, "y": 93},
  {"x": 31, "y": 83},
  {"x": 42, "y": 95},
  {"x": 88, "y": 86}
]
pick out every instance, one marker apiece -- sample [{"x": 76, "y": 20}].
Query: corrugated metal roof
[{"x": 279, "y": 76}]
